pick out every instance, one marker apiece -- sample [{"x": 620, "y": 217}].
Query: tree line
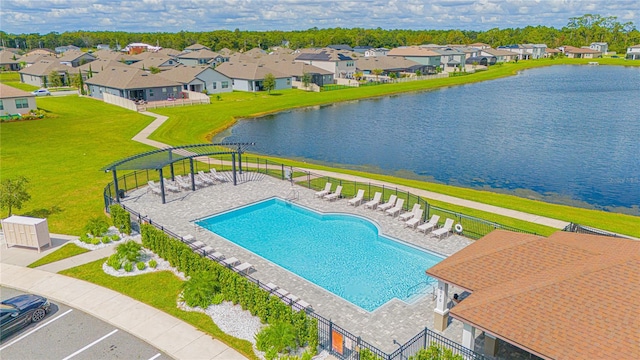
[{"x": 579, "y": 31}]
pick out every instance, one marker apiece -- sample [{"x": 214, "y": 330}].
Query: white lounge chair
[
  {"x": 290, "y": 299},
  {"x": 205, "y": 178},
  {"x": 302, "y": 305},
  {"x": 196, "y": 245},
  {"x": 415, "y": 220},
  {"x": 358, "y": 199},
  {"x": 389, "y": 204},
  {"x": 335, "y": 195},
  {"x": 282, "y": 292},
  {"x": 430, "y": 225},
  {"x": 215, "y": 256},
  {"x": 373, "y": 203},
  {"x": 169, "y": 185},
  {"x": 444, "y": 230},
  {"x": 154, "y": 188},
  {"x": 231, "y": 261},
  {"x": 271, "y": 287},
  {"x": 397, "y": 208},
  {"x": 217, "y": 176},
  {"x": 245, "y": 267},
  {"x": 325, "y": 191},
  {"x": 182, "y": 182},
  {"x": 408, "y": 215}
]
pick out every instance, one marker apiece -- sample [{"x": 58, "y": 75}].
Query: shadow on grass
[{"x": 43, "y": 213}]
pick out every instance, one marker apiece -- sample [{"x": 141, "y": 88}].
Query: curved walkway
[
  {"x": 171, "y": 335},
  {"x": 143, "y": 137}
]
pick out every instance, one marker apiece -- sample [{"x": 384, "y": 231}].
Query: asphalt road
[{"x": 67, "y": 333}]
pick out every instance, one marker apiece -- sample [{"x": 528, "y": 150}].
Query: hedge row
[
  {"x": 121, "y": 219},
  {"x": 234, "y": 287}
]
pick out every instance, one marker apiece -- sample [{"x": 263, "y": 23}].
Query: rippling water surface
[{"x": 568, "y": 134}]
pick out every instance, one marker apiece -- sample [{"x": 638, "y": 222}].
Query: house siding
[{"x": 10, "y": 108}]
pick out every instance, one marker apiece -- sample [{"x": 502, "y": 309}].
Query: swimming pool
[{"x": 343, "y": 254}]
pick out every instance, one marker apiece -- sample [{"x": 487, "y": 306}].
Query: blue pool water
[{"x": 343, "y": 254}]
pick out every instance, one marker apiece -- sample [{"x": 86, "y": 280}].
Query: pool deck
[{"x": 395, "y": 320}]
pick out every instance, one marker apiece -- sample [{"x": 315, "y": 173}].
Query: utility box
[{"x": 26, "y": 231}]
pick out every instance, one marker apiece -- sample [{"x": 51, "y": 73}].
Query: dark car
[{"x": 21, "y": 310}]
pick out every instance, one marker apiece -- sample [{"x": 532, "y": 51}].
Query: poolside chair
[
  {"x": 291, "y": 299},
  {"x": 231, "y": 261},
  {"x": 245, "y": 267},
  {"x": 183, "y": 183},
  {"x": 271, "y": 287},
  {"x": 196, "y": 245},
  {"x": 302, "y": 305},
  {"x": 397, "y": 208},
  {"x": 430, "y": 225},
  {"x": 358, "y": 199},
  {"x": 282, "y": 293},
  {"x": 389, "y": 204},
  {"x": 372, "y": 204},
  {"x": 325, "y": 191},
  {"x": 415, "y": 220},
  {"x": 154, "y": 188},
  {"x": 204, "y": 178},
  {"x": 335, "y": 195},
  {"x": 444, "y": 230},
  {"x": 217, "y": 176},
  {"x": 169, "y": 185},
  {"x": 215, "y": 256},
  {"x": 408, "y": 215}
]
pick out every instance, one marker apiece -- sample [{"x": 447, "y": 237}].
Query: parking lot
[{"x": 67, "y": 333}]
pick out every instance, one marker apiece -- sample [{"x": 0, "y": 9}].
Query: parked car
[
  {"x": 19, "y": 311},
  {"x": 41, "y": 92}
]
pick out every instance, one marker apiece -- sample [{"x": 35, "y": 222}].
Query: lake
[{"x": 563, "y": 134}]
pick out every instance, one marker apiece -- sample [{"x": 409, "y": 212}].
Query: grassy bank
[
  {"x": 12, "y": 78},
  {"x": 62, "y": 155},
  {"x": 160, "y": 290}
]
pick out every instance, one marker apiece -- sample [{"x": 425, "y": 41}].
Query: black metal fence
[{"x": 582, "y": 229}]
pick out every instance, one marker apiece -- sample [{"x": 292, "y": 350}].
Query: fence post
[
  {"x": 330, "y": 336},
  {"x": 424, "y": 346},
  {"x": 282, "y": 172}
]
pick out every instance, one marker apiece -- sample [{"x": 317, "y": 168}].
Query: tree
[
  {"x": 154, "y": 70},
  {"x": 269, "y": 82},
  {"x": 55, "y": 80},
  {"x": 306, "y": 79},
  {"x": 376, "y": 72},
  {"x": 13, "y": 192}
]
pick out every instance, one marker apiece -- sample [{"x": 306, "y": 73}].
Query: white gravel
[
  {"x": 111, "y": 231},
  {"x": 147, "y": 255}
]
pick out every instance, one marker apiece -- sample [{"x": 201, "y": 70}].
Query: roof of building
[
  {"x": 185, "y": 74},
  {"x": 99, "y": 65},
  {"x": 198, "y": 54},
  {"x": 575, "y": 50},
  {"x": 387, "y": 63},
  {"x": 114, "y": 55},
  {"x": 34, "y": 58},
  {"x": 72, "y": 55},
  {"x": 292, "y": 68},
  {"x": 566, "y": 296},
  {"x": 129, "y": 78},
  {"x": 7, "y": 57},
  {"x": 414, "y": 51},
  {"x": 41, "y": 51},
  {"x": 324, "y": 54},
  {"x": 499, "y": 52},
  {"x": 9, "y": 92},
  {"x": 343, "y": 47},
  {"x": 255, "y": 52},
  {"x": 44, "y": 67},
  {"x": 225, "y": 51},
  {"x": 155, "y": 60},
  {"x": 248, "y": 71},
  {"x": 168, "y": 52},
  {"x": 197, "y": 46}
]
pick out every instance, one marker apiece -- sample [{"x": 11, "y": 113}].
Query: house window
[
  {"x": 225, "y": 84},
  {"x": 214, "y": 85},
  {"x": 1, "y": 105},
  {"x": 22, "y": 104},
  {"x": 164, "y": 90},
  {"x": 150, "y": 92},
  {"x": 175, "y": 89},
  {"x": 288, "y": 81}
]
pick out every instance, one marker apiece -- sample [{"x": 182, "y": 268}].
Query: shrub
[
  {"x": 115, "y": 237},
  {"x": 153, "y": 263},
  {"x": 141, "y": 265},
  {"x": 106, "y": 239},
  {"x": 217, "y": 299},
  {"x": 279, "y": 336},
  {"x": 200, "y": 289},
  {"x": 435, "y": 352},
  {"x": 85, "y": 238},
  {"x": 128, "y": 266},
  {"x": 114, "y": 262},
  {"x": 129, "y": 251},
  {"x": 121, "y": 219},
  {"x": 96, "y": 241},
  {"x": 97, "y": 226}
]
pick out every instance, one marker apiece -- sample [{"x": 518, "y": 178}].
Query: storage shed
[{"x": 26, "y": 231}]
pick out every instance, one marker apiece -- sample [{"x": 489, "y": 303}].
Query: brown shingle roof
[
  {"x": 9, "y": 92},
  {"x": 385, "y": 63},
  {"x": 72, "y": 55},
  {"x": 416, "y": 51},
  {"x": 129, "y": 78},
  {"x": 499, "y": 52},
  {"x": 199, "y": 54},
  {"x": 248, "y": 71},
  {"x": 6, "y": 57},
  {"x": 570, "y": 296},
  {"x": 184, "y": 74},
  {"x": 575, "y": 50},
  {"x": 45, "y": 67}
]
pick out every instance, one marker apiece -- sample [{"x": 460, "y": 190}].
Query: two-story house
[
  {"x": 420, "y": 54},
  {"x": 633, "y": 52},
  {"x": 338, "y": 62}
]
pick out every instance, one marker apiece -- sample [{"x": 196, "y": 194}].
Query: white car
[{"x": 41, "y": 92}]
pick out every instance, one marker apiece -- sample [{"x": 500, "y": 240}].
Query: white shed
[{"x": 26, "y": 231}]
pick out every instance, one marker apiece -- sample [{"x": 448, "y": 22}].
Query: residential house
[
  {"x": 9, "y": 61},
  {"x": 566, "y": 296},
  {"x": 551, "y": 52},
  {"x": 297, "y": 70},
  {"x": 198, "y": 78},
  {"x": 196, "y": 47},
  {"x": 137, "y": 48},
  {"x": 40, "y": 51},
  {"x": 603, "y": 47},
  {"x": 255, "y": 53},
  {"x": 15, "y": 101},
  {"x": 250, "y": 76},
  {"x": 38, "y": 73},
  {"x": 451, "y": 58},
  {"x": 518, "y": 49},
  {"x": 480, "y": 45},
  {"x": 76, "y": 58},
  {"x": 581, "y": 53},
  {"x": 390, "y": 65},
  {"x": 376, "y": 52},
  {"x": 63, "y": 49},
  {"x": 154, "y": 60},
  {"x": 95, "y": 67},
  {"x": 225, "y": 52},
  {"x": 468, "y": 51},
  {"x": 340, "y": 63},
  {"x": 535, "y": 51},
  {"x": 117, "y": 56},
  {"x": 200, "y": 57},
  {"x": 342, "y": 47},
  {"x": 131, "y": 83},
  {"x": 168, "y": 52},
  {"x": 361, "y": 50},
  {"x": 28, "y": 60},
  {"x": 481, "y": 60},
  {"x": 103, "y": 47},
  {"x": 420, "y": 54},
  {"x": 633, "y": 52},
  {"x": 501, "y": 55}
]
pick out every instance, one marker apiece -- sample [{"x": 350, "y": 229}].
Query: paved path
[
  {"x": 143, "y": 135},
  {"x": 171, "y": 335}
]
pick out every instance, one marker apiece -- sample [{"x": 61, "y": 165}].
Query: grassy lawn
[
  {"x": 64, "y": 252},
  {"x": 62, "y": 156},
  {"x": 160, "y": 290},
  {"x": 12, "y": 78}
]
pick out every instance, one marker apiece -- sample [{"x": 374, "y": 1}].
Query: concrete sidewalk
[{"x": 167, "y": 333}]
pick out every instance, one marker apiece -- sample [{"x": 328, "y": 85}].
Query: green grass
[
  {"x": 160, "y": 290},
  {"x": 62, "y": 156},
  {"x": 12, "y": 78},
  {"x": 64, "y": 252}
]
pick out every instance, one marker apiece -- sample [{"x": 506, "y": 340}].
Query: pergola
[{"x": 158, "y": 159}]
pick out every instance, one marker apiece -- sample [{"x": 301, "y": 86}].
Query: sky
[{"x": 44, "y": 16}]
